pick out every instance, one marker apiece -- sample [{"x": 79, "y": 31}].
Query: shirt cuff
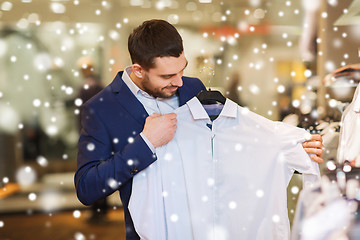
[{"x": 152, "y": 148}]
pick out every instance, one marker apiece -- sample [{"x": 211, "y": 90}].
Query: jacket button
[{"x": 135, "y": 170}]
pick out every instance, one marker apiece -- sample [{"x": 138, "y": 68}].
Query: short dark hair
[{"x": 154, "y": 38}]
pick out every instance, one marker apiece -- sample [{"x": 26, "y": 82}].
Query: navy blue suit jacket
[{"x": 110, "y": 149}]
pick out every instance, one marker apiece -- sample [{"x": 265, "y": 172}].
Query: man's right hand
[{"x": 160, "y": 129}]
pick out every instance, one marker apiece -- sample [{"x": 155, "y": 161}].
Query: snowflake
[
  {"x": 130, "y": 139},
  {"x": 174, "y": 217},
  {"x": 79, "y": 236},
  {"x": 5, "y": 180},
  {"x": 26, "y": 175},
  {"x": 232, "y": 205},
  {"x": 210, "y": 182},
  {"x": 276, "y": 218},
  {"x": 90, "y": 147},
  {"x": 295, "y": 190},
  {"x": 42, "y": 161},
  {"x": 259, "y": 193},
  {"x": 168, "y": 157},
  {"x": 238, "y": 147},
  {"x": 32, "y": 196},
  {"x": 76, "y": 214}
]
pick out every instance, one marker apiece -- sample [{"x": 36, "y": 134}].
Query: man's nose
[{"x": 177, "y": 81}]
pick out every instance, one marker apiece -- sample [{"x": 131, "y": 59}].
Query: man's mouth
[{"x": 172, "y": 89}]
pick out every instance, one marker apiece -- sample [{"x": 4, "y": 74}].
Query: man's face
[{"x": 164, "y": 79}]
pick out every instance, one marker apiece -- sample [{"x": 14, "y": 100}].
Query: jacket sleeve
[{"x": 100, "y": 171}]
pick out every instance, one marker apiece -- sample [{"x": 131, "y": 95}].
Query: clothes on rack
[
  {"x": 330, "y": 135},
  {"x": 350, "y": 73},
  {"x": 341, "y": 84},
  {"x": 221, "y": 179},
  {"x": 326, "y": 210},
  {"x": 349, "y": 143}
]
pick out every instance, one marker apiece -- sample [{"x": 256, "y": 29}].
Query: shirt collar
[
  {"x": 198, "y": 111},
  {"x": 126, "y": 78}
]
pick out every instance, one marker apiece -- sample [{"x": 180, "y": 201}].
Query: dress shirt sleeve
[
  {"x": 291, "y": 139},
  {"x": 101, "y": 171},
  {"x": 148, "y": 142}
]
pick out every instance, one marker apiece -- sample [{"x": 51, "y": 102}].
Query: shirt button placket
[{"x": 213, "y": 153}]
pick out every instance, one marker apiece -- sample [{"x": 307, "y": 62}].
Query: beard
[{"x": 157, "y": 92}]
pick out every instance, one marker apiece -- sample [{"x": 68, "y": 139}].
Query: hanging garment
[
  {"x": 349, "y": 73},
  {"x": 349, "y": 143},
  {"x": 322, "y": 213},
  {"x": 221, "y": 179}
]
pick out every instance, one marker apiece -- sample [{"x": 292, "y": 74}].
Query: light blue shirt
[{"x": 150, "y": 103}]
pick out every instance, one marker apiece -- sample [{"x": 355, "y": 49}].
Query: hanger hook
[{"x": 211, "y": 75}]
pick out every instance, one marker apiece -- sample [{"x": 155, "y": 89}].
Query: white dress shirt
[
  {"x": 221, "y": 179},
  {"x": 349, "y": 143}
]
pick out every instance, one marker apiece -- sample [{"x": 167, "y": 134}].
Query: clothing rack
[
  {"x": 330, "y": 208},
  {"x": 348, "y": 179}
]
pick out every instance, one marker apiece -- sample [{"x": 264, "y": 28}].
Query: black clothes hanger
[{"x": 210, "y": 96}]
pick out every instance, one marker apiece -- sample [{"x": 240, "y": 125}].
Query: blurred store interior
[{"x": 272, "y": 56}]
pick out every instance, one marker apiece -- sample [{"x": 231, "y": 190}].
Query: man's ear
[{"x": 138, "y": 70}]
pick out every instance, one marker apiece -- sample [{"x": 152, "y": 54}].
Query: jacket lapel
[
  {"x": 183, "y": 94},
  {"x": 127, "y": 99}
]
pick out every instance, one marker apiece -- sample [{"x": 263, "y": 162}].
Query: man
[
  {"x": 92, "y": 83},
  {"x": 122, "y": 126}
]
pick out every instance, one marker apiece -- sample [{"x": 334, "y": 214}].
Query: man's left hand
[{"x": 314, "y": 146}]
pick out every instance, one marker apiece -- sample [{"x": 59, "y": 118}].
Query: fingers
[
  {"x": 316, "y": 159},
  {"x": 315, "y": 141},
  {"x": 171, "y": 117},
  {"x": 312, "y": 144},
  {"x": 316, "y": 137},
  {"x": 316, "y": 151},
  {"x": 155, "y": 115},
  {"x": 315, "y": 154},
  {"x": 160, "y": 129},
  {"x": 314, "y": 147},
  {"x": 168, "y": 115}
]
